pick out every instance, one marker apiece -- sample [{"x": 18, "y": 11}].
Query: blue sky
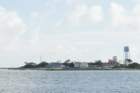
[{"x": 84, "y": 30}]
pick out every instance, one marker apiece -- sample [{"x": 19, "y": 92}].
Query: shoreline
[{"x": 46, "y": 69}]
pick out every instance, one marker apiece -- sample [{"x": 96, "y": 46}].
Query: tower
[{"x": 126, "y": 55}]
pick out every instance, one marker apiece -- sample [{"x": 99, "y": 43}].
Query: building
[
  {"x": 107, "y": 66},
  {"x": 80, "y": 65},
  {"x": 84, "y": 65},
  {"x": 112, "y": 62},
  {"x": 55, "y": 65},
  {"x": 77, "y": 64}
]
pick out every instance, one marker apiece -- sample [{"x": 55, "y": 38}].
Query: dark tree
[
  {"x": 42, "y": 64},
  {"x": 98, "y": 62},
  {"x": 134, "y": 65},
  {"x": 129, "y": 60},
  {"x": 29, "y": 65},
  {"x": 71, "y": 65},
  {"x": 66, "y": 63}
]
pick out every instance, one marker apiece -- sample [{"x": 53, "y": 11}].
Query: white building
[
  {"x": 80, "y": 65},
  {"x": 77, "y": 64},
  {"x": 84, "y": 65}
]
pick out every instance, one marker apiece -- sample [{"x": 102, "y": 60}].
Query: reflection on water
[{"x": 28, "y": 81}]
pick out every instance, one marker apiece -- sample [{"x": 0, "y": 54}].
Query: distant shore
[
  {"x": 71, "y": 66},
  {"x": 75, "y": 69}
]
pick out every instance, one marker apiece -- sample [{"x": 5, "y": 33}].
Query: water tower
[{"x": 126, "y": 55}]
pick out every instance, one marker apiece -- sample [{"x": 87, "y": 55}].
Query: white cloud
[
  {"x": 76, "y": 15},
  {"x": 136, "y": 12},
  {"x": 10, "y": 26},
  {"x": 83, "y": 13},
  {"x": 96, "y": 14},
  {"x": 124, "y": 19},
  {"x": 34, "y": 14},
  {"x": 118, "y": 14}
]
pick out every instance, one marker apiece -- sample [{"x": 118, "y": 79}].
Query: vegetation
[
  {"x": 42, "y": 64},
  {"x": 34, "y": 65},
  {"x": 134, "y": 66},
  {"x": 68, "y": 64},
  {"x": 98, "y": 62},
  {"x": 29, "y": 65}
]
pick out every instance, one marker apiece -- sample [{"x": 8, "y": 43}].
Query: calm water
[{"x": 14, "y": 81}]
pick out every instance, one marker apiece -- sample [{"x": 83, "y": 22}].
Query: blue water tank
[{"x": 126, "y": 49}]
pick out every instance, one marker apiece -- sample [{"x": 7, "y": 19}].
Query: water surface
[{"x": 33, "y": 81}]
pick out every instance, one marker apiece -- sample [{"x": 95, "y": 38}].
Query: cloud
[
  {"x": 124, "y": 19},
  {"x": 10, "y": 26},
  {"x": 35, "y": 14},
  {"x": 95, "y": 13},
  {"x": 83, "y": 13},
  {"x": 117, "y": 14}
]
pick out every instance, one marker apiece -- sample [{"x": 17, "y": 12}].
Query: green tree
[
  {"x": 134, "y": 65},
  {"x": 98, "y": 62},
  {"x": 42, "y": 64}
]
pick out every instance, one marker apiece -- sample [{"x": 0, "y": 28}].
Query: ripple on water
[{"x": 27, "y": 81}]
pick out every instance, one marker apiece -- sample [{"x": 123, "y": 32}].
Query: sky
[{"x": 56, "y": 30}]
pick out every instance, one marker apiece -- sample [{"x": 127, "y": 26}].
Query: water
[{"x": 27, "y": 81}]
